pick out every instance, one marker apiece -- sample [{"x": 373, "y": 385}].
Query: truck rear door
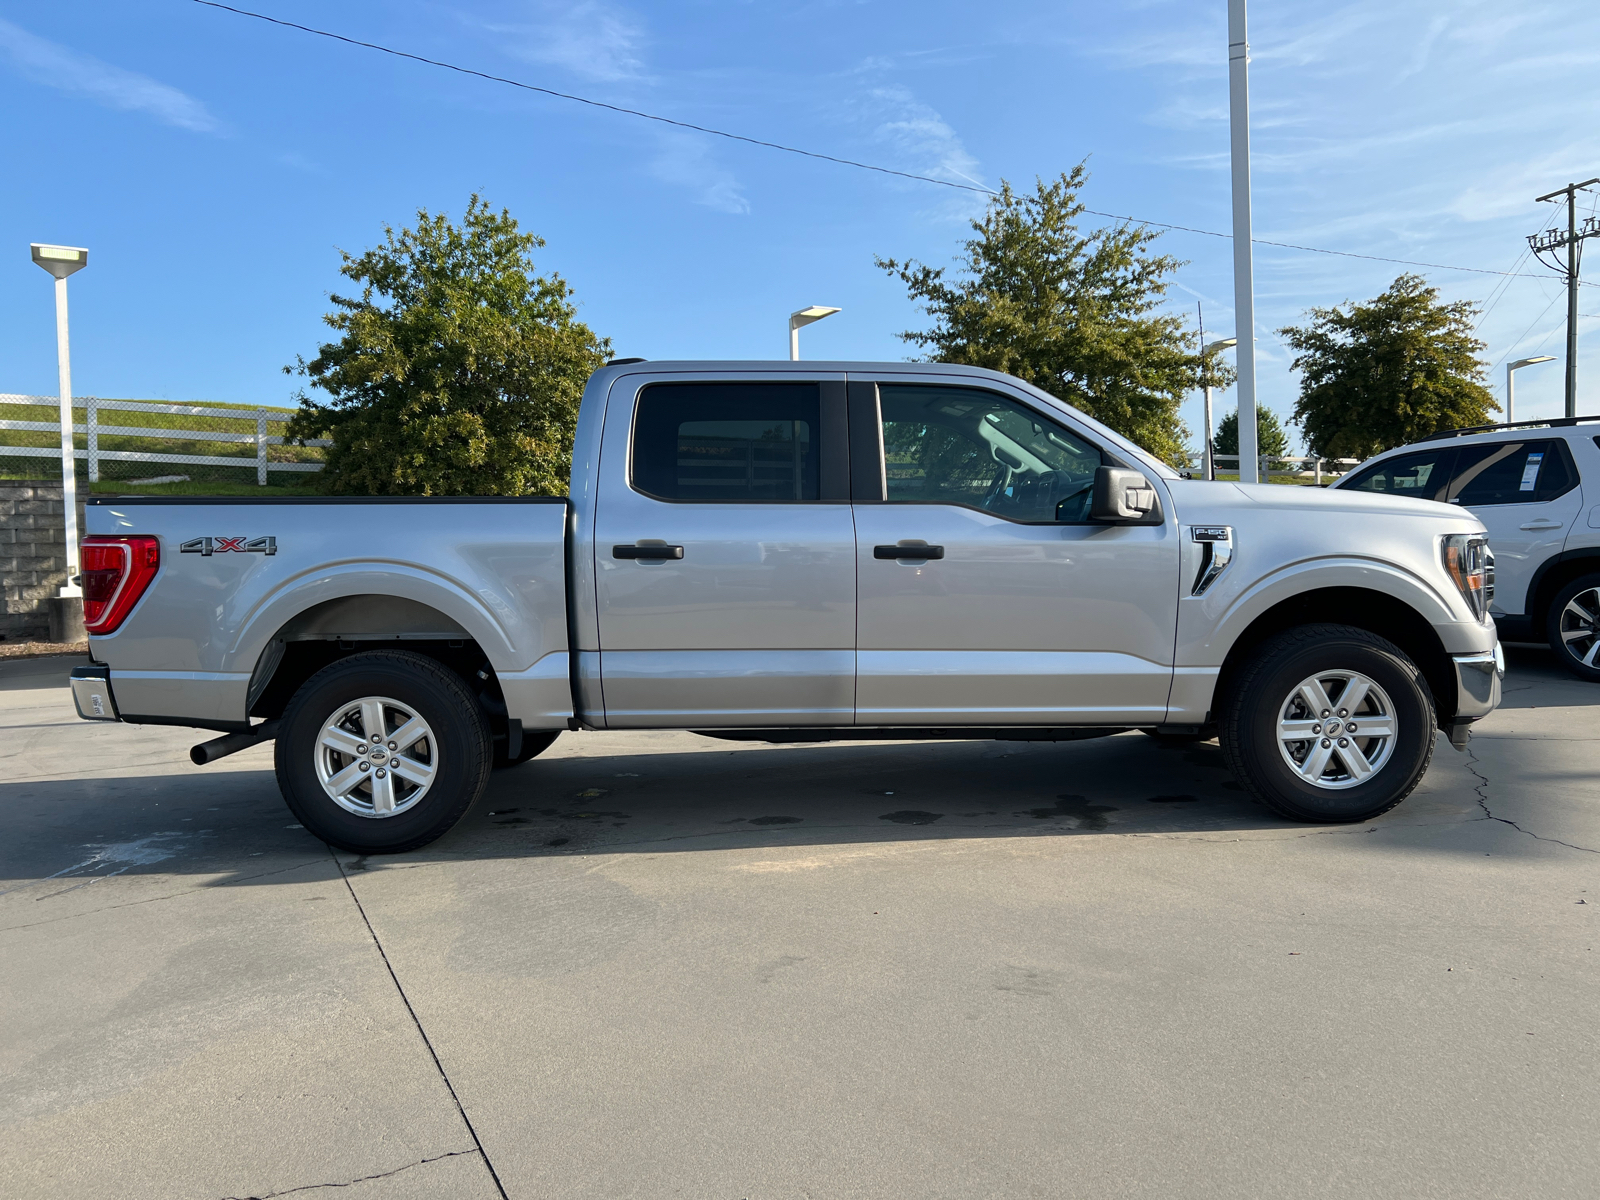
[
  {"x": 985, "y": 596},
  {"x": 725, "y": 554}
]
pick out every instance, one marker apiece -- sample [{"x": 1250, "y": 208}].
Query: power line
[{"x": 845, "y": 162}]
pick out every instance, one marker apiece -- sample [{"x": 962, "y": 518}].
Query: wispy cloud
[
  {"x": 56, "y": 66},
  {"x": 686, "y": 160},
  {"x": 591, "y": 40}
]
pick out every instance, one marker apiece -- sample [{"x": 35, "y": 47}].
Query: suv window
[
  {"x": 1512, "y": 473},
  {"x": 1422, "y": 474},
  {"x": 728, "y": 441},
  {"x": 967, "y": 446}
]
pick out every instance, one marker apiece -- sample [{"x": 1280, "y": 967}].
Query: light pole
[
  {"x": 62, "y": 261},
  {"x": 1211, "y": 450},
  {"x": 801, "y": 317},
  {"x": 1511, "y": 383},
  {"x": 1244, "y": 304}
]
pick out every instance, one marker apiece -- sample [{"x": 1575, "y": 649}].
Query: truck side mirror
[{"x": 1124, "y": 497}]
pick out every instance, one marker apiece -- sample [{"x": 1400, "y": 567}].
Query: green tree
[
  {"x": 1387, "y": 372},
  {"x": 1271, "y": 437},
  {"x": 1072, "y": 313},
  {"x": 458, "y": 370}
]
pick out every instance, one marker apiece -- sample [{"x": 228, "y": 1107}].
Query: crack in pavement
[
  {"x": 1481, "y": 788},
  {"x": 417, "y": 1021},
  {"x": 311, "y": 1187}
]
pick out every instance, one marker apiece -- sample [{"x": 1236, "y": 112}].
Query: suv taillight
[{"x": 115, "y": 573}]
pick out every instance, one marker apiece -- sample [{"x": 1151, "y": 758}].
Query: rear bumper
[
  {"x": 1478, "y": 679},
  {"x": 91, "y": 693}
]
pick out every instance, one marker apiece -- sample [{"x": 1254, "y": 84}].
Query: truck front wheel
[
  {"x": 1328, "y": 723},
  {"x": 382, "y": 752}
]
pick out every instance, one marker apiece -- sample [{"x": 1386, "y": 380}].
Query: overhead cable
[{"x": 845, "y": 162}]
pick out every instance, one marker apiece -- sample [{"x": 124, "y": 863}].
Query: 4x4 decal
[{"x": 224, "y": 545}]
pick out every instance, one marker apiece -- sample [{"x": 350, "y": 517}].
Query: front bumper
[
  {"x": 91, "y": 693},
  {"x": 1478, "y": 679}
]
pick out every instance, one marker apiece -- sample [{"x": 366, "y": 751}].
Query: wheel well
[
  {"x": 336, "y": 629},
  {"x": 1373, "y": 611},
  {"x": 1556, "y": 576}
]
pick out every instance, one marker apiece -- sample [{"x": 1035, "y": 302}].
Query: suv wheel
[
  {"x": 1574, "y": 627},
  {"x": 1328, "y": 723},
  {"x": 382, "y": 752}
]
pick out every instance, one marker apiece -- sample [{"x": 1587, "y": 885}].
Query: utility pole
[
  {"x": 1244, "y": 305},
  {"x": 1549, "y": 242}
]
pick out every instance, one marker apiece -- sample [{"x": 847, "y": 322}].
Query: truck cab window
[
  {"x": 966, "y": 446},
  {"x": 728, "y": 441}
]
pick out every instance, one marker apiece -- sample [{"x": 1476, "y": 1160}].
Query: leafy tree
[
  {"x": 1388, "y": 372},
  {"x": 458, "y": 370},
  {"x": 1271, "y": 438},
  {"x": 1071, "y": 313}
]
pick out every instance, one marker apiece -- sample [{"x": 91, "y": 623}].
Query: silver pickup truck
[{"x": 797, "y": 552}]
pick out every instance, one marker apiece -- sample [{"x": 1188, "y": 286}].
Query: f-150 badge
[{"x": 229, "y": 545}]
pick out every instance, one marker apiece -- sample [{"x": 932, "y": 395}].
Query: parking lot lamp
[
  {"x": 801, "y": 317},
  {"x": 62, "y": 261},
  {"x": 1211, "y": 455},
  {"x": 1511, "y": 383}
]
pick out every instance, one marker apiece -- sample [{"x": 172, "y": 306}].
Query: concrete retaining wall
[{"x": 33, "y": 561}]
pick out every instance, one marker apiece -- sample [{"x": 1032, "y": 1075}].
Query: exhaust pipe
[{"x": 232, "y": 743}]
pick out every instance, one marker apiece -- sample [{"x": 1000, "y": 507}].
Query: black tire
[
  {"x": 456, "y": 755},
  {"x": 533, "y": 745},
  {"x": 1263, "y": 690},
  {"x": 1571, "y": 653}
]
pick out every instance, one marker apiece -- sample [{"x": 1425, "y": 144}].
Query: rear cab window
[{"x": 728, "y": 442}]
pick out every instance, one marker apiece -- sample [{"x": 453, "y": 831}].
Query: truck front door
[
  {"x": 985, "y": 595},
  {"x": 725, "y": 555}
]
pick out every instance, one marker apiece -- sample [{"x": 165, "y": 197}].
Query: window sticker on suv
[{"x": 1530, "y": 473}]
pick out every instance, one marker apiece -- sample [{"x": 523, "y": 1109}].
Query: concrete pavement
[{"x": 659, "y": 965}]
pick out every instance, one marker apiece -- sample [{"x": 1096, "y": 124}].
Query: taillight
[{"x": 115, "y": 573}]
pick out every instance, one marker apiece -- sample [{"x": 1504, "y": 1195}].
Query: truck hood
[{"x": 1200, "y": 501}]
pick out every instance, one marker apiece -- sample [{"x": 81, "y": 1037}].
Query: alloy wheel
[
  {"x": 1337, "y": 729},
  {"x": 375, "y": 757}
]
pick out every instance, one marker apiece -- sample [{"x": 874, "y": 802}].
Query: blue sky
[{"x": 214, "y": 164}]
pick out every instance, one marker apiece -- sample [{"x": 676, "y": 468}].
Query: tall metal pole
[
  {"x": 1511, "y": 393},
  {"x": 1207, "y": 463},
  {"x": 1243, "y": 267},
  {"x": 69, "y": 467},
  {"x": 1572, "y": 301}
]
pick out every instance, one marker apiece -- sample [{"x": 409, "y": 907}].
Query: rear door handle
[
  {"x": 1541, "y": 523},
  {"x": 919, "y": 551},
  {"x": 647, "y": 552}
]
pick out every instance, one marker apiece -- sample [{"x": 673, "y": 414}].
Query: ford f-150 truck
[{"x": 797, "y": 551}]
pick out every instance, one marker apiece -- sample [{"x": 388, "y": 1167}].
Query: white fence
[
  {"x": 93, "y": 428},
  {"x": 1290, "y": 466}
]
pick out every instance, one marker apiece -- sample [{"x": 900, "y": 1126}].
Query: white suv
[{"x": 1526, "y": 483}]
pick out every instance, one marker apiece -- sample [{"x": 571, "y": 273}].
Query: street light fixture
[
  {"x": 1211, "y": 454},
  {"x": 801, "y": 317},
  {"x": 62, "y": 261},
  {"x": 1511, "y": 383}
]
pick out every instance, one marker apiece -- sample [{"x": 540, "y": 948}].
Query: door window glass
[
  {"x": 728, "y": 441},
  {"x": 1422, "y": 474},
  {"x": 952, "y": 445},
  {"x": 1511, "y": 473}
]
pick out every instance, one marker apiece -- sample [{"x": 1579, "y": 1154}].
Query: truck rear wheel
[
  {"x": 534, "y": 743},
  {"x": 1328, "y": 723},
  {"x": 382, "y": 752}
]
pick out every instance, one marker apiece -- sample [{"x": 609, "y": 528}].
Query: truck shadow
[
  {"x": 672, "y": 793},
  {"x": 1534, "y": 679}
]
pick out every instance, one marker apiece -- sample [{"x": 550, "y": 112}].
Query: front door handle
[
  {"x": 1542, "y": 523},
  {"x": 647, "y": 552},
  {"x": 921, "y": 550}
]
